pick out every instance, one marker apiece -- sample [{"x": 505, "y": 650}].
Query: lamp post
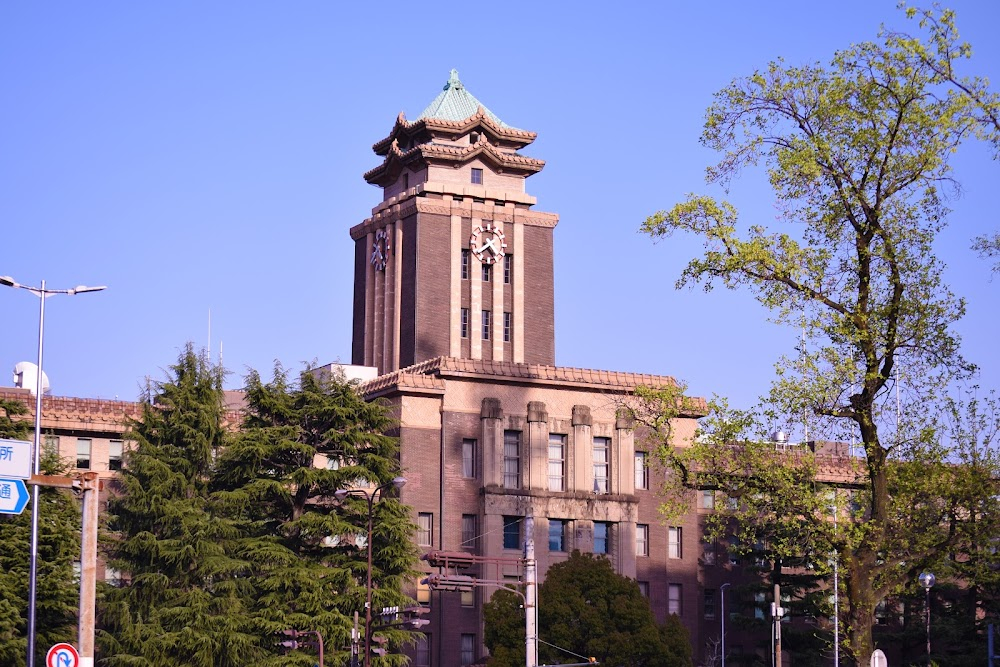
[
  {"x": 927, "y": 580},
  {"x": 340, "y": 494},
  {"x": 42, "y": 293},
  {"x": 722, "y": 635}
]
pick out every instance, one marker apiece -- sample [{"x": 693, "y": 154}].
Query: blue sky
[{"x": 200, "y": 157}]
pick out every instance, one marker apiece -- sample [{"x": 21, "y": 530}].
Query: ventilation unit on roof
[{"x": 26, "y": 377}]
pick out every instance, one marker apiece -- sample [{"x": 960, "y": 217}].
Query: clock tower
[{"x": 453, "y": 262}]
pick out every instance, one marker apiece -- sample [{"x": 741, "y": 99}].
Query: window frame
[
  {"x": 557, "y": 440},
  {"x": 642, "y": 539},
  {"x": 641, "y": 470},
  {"x": 508, "y": 326},
  {"x": 675, "y": 599},
  {"x": 476, "y": 177},
  {"x": 511, "y": 459},
  {"x": 508, "y": 268},
  {"x": 466, "y": 259},
  {"x": 513, "y": 527},
  {"x": 89, "y": 452},
  {"x": 605, "y": 539},
  {"x": 487, "y": 324},
  {"x": 115, "y": 461},
  {"x": 464, "y": 320},
  {"x": 469, "y": 458},
  {"x": 602, "y": 482},
  {"x": 675, "y": 542},
  {"x": 425, "y": 529}
]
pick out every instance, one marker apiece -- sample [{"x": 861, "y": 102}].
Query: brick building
[{"x": 453, "y": 304}]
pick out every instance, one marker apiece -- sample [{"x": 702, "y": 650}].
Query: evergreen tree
[
  {"x": 299, "y": 443},
  {"x": 183, "y": 598},
  {"x": 56, "y": 595},
  {"x": 584, "y": 606}
]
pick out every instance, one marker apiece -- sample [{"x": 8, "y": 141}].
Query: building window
[
  {"x": 641, "y": 471},
  {"x": 557, "y": 462},
  {"x": 674, "y": 599},
  {"x": 487, "y": 272},
  {"x": 487, "y": 324},
  {"x": 709, "y": 603},
  {"x": 465, "y": 323},
  {"x": 642, "y": 539},
  {"x": 557, "y": 535},
  {"x": 602, "y": 464},
  {"x": 708, "y": 550},
  {"x": 83, "y": 448},
  {"x": 734, "y": 550},
  {"x": 469, "y": 597},
  {"x": 508, "y": 268},
  {"x": 423, "y": 592},
  {"x": 477, "y": 176},
  {"x": 468, "y": 641},
  {"x": 406, "y": 181},
  {"x": 602, "y": 537},
  {"x": 674, "y": 542},
  {"x": 465, "y": 263},
  {"x": 470, "y": 531},
  {"x": 708, "y": 499},
  {"x": 759, "y": 605},
  {"x": 507, "y": 319},
  {"x": 644, "y": 588},
  {"x": 51, "y": 445},
  {"x": 423, "y": 653},
  {"x": 425, "y": 529},
  {"x": 512, "y": 459},
  {"x": 112, "y": 577},
  {"x": 115, "y": 449},
  {"x": 512, "y": 532},
  {"x": 469, "y": 458}
]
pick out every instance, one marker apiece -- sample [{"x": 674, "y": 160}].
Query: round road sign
[{"x": 62, "y": 655}]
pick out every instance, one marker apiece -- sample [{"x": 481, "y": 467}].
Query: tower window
[
  {"x": 465, "y": 264},
  {"x": 506, "y": 327},
  {"x": 465, "y": 323},
  {"x": 508, "y": 268},
  {"x": 406, "y": 181},
  {"x": 487, "y": 272},
  {"x": 487, "y": 324},
  {"x": 477, "y": 176}
]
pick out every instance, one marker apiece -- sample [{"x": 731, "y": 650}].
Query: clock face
[
  {"x": 487, "y": 243},
  {"x": 380, "y": 250}
]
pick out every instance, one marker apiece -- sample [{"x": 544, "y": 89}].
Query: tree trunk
[{"x": 861, "y": 605}]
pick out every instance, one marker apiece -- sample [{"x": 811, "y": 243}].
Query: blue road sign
[{"x": 13, "y": 496}]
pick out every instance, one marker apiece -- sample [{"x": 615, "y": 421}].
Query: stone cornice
[
  {"x": 399, "y": 208},
  {"x": 536, "y": 374}
]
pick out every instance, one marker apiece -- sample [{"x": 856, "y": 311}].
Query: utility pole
[
  {"x": 530, "y": 590},
  {"x": 778, "y": 613},
  {"x": 90, "y": 485}
]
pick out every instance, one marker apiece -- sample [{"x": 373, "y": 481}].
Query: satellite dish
[{"x": 26, "y": 377}]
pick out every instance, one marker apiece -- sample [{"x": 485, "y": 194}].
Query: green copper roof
[{"x": 455, "y": 103}]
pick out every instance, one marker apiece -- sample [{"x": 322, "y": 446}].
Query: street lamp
[
  {"x": 341, "y": 494},
  {"x": 722, "y": 599},
  {"x": 42, "y": 293},
  {"x": 927, "y": 580}
]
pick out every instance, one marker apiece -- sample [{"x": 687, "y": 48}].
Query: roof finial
[{"x": 453, "y": 81}]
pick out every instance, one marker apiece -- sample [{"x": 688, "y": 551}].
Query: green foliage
[
  {"x": 57, "y": 593},
  {"x": 308, "y": 565},
  {"x": 185, "y": 598},
  {"x": 585, "y": 607},
  {"x": 857, "y": 153}
]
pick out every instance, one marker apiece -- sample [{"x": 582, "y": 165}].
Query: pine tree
[
  {"x": 183, "y": 599},
  {"x": 56, "y": 596},
  {"x": 299, "y": 443}
]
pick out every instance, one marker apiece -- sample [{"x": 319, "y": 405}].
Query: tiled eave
[
  {"x": 505, "y": 161},
  {"x": 479, "y": 120},
  {"x": 444, "y": 368}
]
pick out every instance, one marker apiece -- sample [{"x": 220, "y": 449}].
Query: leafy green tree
[
  {"x": 587, "y": 608},
  {"x": 857, "y": 152},
  {"x": 183, "y": 600},
  {"x": 299, "y": 443},
  {"x": 56, "y": 596}
]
